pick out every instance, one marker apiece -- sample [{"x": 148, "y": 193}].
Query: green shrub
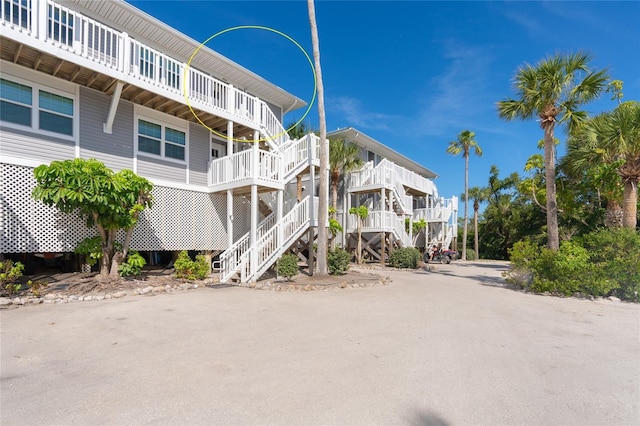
[
  {"x": 563, "y": 272},
  {"x": 471, "y": 254},
  {"x": 191, "y": 269},
  {"x": 338, "y": 261},
  {"x": 406, "y": 257},
  {"x": 615, "y": 256},
  {"x": 10, "y": 272},
  {"x": 133, "y": 265},
  {"x": 601, "y": 263},
  {"x": 288, "y": 266}
]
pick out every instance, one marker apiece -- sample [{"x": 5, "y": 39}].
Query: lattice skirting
[{"x": 178, "y": 220}]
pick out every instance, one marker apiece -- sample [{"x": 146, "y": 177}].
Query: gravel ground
[{"x": 449, "y": 346}]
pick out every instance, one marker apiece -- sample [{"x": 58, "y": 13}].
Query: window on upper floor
[
  {"x": 52, "y": 113},
  {"x": 161, "y": 140},
  {"x": 18, "y": 12}
]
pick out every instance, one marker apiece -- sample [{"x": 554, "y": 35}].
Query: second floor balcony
[{"x": 50, "y": 37}]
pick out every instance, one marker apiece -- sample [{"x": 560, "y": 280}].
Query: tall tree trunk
[
  {"x": 613, "y": 214},
  {"x": 630, "y": 204},
  {"x": 475, "y": 232},
  {"x": 299, "y": 187},
  {"x": 324, "y": 161},
  {"x": 334, "y": 193},
  {"x": 553, "y": 239},
  {"x": 466, "y": 204}
]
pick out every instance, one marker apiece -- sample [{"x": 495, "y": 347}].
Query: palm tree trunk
[
  {"x": 323, "y": 210},
  {"x": 630, "y": 204},
  {"x": 553, "y": 239},
  {"x": 475, "y": 233},
  {"x": 466, "y": 204},
  {"x": 613, "y": 214}
]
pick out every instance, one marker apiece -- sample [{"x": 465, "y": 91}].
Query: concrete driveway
[{"x": 431, "y": 348}]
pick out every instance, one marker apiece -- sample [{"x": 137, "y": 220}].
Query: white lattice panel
[
  {"x": 30, "y": 226},
  {"x": 178, "y": 220}
]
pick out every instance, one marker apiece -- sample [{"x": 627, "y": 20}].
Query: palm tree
[
  {"x": 613, "y": 138},
  {"x": 464, "y": 144},
  {"x": 587, "y": 159},
  {"x": 478, "y": 195},
  {"x": 323, "y": 210},
  {"x": 343, "y": 158},
  {"x": 552, "y": 91}
]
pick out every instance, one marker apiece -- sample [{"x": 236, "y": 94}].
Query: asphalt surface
[{"x": 451, "y": 346}]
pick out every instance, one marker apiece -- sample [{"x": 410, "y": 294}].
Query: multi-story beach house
[
  {"x": 104, "y": 80},
  {"x": 397, "y": 192}
]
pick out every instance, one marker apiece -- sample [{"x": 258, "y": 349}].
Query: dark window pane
[
  {"x": 56, "y": 123},
  {"x": 15, "y": 113},
  {"x": 174, "y": 151},
  {"x": 151, "y": 146}
]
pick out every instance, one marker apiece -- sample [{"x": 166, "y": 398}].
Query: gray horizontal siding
[
  {"x": 115, "y": 150},
  {"x": 198, "y": 154},
  {"x": 158, "y": 168},
  {"x": 27, "y": 144}
]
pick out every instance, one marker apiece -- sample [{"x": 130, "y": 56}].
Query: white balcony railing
[
  {"x": 378, "y": 221},
  {"x": 388, "y": 173},
  {"x": 43, "y": 23}
]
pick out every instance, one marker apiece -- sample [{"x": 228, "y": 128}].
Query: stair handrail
[
  {"x": 240, "y": 247},
  {"x": 299, "y": 154},
  {"x": 269, "y": 248}
]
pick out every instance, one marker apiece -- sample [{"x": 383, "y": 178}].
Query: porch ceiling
[{"x": 23, "y": 55}]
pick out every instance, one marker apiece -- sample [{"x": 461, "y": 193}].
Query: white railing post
[
  {"x": 125, "y": 54},
  {"x": 231, "y": 100},
  {"x": 42, "y": 7}
]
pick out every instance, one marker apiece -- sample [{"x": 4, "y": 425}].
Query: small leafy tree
[
  {"x": 361, "y": 213},
  {"x": 338, "y": 261},
  {"x": 288, "y": 266},
  {"x": 108, "y": 201}
]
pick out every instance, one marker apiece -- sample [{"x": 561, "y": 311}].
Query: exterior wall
[
  {"x": 115, "y": 150},
  {"x": 199, "y": 145},
  {"x": 157, "y": 168},
  {"x": 179, "y": 219}
]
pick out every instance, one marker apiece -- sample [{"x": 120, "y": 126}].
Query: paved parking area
[{"x": 451, "y": 346}]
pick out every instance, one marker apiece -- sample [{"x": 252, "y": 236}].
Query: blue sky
[{"x": 415, "y": 74}]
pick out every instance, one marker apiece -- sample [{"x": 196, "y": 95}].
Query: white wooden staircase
[{"x": 246, "y": 262}]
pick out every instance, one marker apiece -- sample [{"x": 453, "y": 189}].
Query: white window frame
[
  {"x": 36, "y": 87},
  {"x": 164, "y": 121}
]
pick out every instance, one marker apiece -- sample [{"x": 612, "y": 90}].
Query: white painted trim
[
  {"x": 76, "y": 122},
  {"x": 26, "y": 162}
]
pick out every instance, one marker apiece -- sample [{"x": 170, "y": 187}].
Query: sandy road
[{"x": 445, "y": 347}]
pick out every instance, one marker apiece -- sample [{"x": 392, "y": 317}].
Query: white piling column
[{"x": 229, "y": 174}]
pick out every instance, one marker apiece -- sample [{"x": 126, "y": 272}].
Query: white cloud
[
  {"x": 353, "y": 113},
  {"x": 456, "y": 98}
]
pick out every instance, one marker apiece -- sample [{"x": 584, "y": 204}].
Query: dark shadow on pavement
[{"x": 422, "y": 418}]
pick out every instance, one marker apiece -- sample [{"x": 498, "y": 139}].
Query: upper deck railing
[
  {"x": 42, "y": 23},
  {"x": 389, "y": 173}
]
